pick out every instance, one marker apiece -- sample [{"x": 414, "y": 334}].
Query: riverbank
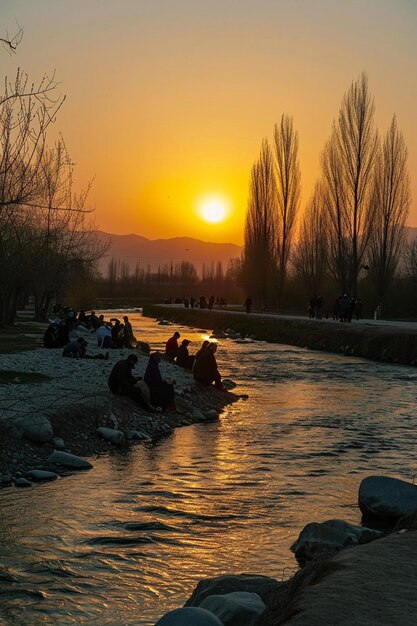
[
  {"x": 386, "y": 344},
  {"x": 48, "y": 402}
]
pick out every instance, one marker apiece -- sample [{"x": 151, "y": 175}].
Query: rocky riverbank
[
  {"x": 391, "y": 345},
  {"x": 350, "y": 575},
  {"x": 49, "y": 403}
]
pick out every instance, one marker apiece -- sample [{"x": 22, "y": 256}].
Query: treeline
[
  {"x": 350, "y": 236},
  {"x": 46, "y": 233},
  {"x": 170, "y": 280}
]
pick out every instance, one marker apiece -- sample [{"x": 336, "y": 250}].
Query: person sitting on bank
[
  {"x": 104, "y": 336},
  {"x": 78, "y": 350},
  {"x": 205, "y": 367},
  {"x": 122, "y": 382},
  {"x": 171, "y": 346},
  {"x": 161, "y": 391},
  {"x": 183, "y": 358}
]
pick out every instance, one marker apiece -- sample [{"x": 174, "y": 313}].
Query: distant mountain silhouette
[{"x": 158, "y": 252}]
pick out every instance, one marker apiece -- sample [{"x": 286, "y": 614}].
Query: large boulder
[
  {"x": 386, "y": 498},
  {"x": 334, "y": 534},
  {"x": 239, "y": 608},
  {"x": 58, "y": 457},
  {"x": 263, "y": 586},
  {"x": 35, "y": 428},
  {"x": 189, "y": 617}
]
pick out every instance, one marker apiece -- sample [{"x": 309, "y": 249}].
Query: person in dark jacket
[
  {"x": 122, "y": 382},
  {"x": 78, "y": 350},
  {"x": 183, "y": 358},
  {"x": 171, "y": 346},
  {"x": 205, "y": 367},
  {"x": 161, "y": 391},
  {"x": 129, "y": 338}
]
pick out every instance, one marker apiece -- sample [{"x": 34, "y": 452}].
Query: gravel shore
[{"x": 75, "y": 399}]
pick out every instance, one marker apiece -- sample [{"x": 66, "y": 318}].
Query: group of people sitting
[
  {"x": 156, "y": 392},
  {"x": 203, "y": 364}
]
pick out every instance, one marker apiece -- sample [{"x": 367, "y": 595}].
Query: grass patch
[
  {"x": 14, "y": 377},
  {"x": 21, "y": 336}
]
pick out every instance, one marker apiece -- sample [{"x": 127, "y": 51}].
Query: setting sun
[{"x": 213, "y": 210}]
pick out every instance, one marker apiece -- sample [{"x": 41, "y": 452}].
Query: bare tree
[
  {"x": 391, "y": 204},
  {"x": 310, "y": 256},
  {"x": 10, "y": 43},
  {"x": 288, "y": 193},
  {"x": 348, "y": 166},
  {"x": 260, "y": 246}
]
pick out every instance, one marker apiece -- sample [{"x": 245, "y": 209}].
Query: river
[{"x": 130, "y": 539}]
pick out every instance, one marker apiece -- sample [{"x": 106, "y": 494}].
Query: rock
[
  {"x": 5, "y": 480},
  {"x": 189, "y": 617},
  {"x": 58, "y": 443},
  {"x": 22, "y": 482},
  {"x": 143, "y": 347},
  {"x": 218, "y": 334},
  {"x": 197, "y": 415},
  {"x": 263, "y": 586},
  {"x": 229, "y": 384},
  {"x": 36, "y": 428},
  {"x": 110, "y": 434},
  {"x": 164, "y": 323},
  {"x": 386, "y": 498},
  {"x": 239, "y": 608},
  {"x": 212, "y": 414},
  {"x": 333, "y": 534},
  {"x": 38, "y": 475},
  {"x": 68, "y": 460},
  {"x": 138, "y": 435}
]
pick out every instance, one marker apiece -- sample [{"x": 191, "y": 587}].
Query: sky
[{"x": 167, "y": 101}]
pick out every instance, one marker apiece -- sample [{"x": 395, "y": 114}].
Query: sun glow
[{"x": 213, "y": 210}]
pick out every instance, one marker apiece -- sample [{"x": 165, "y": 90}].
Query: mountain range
[{"x": 134, "y": 249}]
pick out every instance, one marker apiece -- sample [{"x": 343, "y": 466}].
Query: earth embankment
[{"x": 388, "y": 344}]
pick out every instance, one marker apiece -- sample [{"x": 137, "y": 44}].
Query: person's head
[
  {"x": 204, "y": 344},
  {"x": 101, "y": 318},
  {"x": 213, "y": 346},
  {"x": 185, "y": 342},
  {"x": 156, "y": 356},
  {"x": 132, "y": 359},
  {"x": 93, "y": 313},
  {"x": 82, "y": 342},
  {"x": 126, "y": 319},
  {"x": 177, "y": 335}
]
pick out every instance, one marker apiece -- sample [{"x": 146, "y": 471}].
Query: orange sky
[{"x": 168, "y": 100}]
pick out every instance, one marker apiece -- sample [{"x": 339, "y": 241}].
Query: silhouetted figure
[
  {"x": 161, "y": 391},
  {"x": 248, "y": 304},
  {"x": 128, "y": 336},
  {"x": 203, "y": 302},
  {"x": 205, "y": 367},
  {"x": 184, "y": 359},
  {"x": 359, "y": 309},
  {"x": 122, "y": 382},
  {"x": 344, "y": 308},
  {"x": 211, "y": 303},
  {"x": 77, "y": 350},
  {"x": 171, "y": 346}
]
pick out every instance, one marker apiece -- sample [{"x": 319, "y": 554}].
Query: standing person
[
  {"x": 129, "y": 338},
  {"x": 211, "y": 303},
  {"x": 161, "y": 391},
  {"x": 122, "y": 382},
  {"x": 248, "y": 304},
  {"x": 205, "y": 367},
  {"x": 171, "y": 346}
]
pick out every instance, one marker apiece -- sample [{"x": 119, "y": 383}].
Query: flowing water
[{"x": 129, "y": 540}]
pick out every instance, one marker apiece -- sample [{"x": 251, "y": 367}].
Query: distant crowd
[
  {"x": 151, "y": 391},
  {"x": 344, "y": 308}
]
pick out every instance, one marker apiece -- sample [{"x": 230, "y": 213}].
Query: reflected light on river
[{"x": 129, "y": 540}]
